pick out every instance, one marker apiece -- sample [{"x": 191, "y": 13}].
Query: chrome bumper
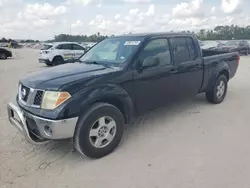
[{"x": 39, "y": 130}]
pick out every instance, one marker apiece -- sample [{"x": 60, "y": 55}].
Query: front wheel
[
  {"x": 3, "y": 56},
  {"x": 217, "y": 94},
  {"x": 57, "y": 61},
  {"x": 99, "y": 131},
  {"x": 49, "y": 64}
]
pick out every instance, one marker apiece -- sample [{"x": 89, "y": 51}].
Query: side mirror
[{"x": 150, "y": 62}]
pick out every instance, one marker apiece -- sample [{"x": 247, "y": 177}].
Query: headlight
[{"x": 53, "y": 99}]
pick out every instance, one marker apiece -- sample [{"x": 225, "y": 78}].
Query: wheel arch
[
  {"x": 223, "y": 68},
  {"x": 57, "y": 56},
  {"x": 118, "y": 103},
  {"x": 224, "y": 72}
]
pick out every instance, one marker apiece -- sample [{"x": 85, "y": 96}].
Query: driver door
[{"x": 158, "y": 85}]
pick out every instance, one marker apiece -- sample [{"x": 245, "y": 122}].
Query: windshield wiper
[
  {"x": 95, "y": 63},
  {"x": 90, "y": 62},
  {"x": 87, "y": 62}
]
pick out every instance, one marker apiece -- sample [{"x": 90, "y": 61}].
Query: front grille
[
  {"x": 30, "y": 97},
  {"x": 38, "y": 98}
]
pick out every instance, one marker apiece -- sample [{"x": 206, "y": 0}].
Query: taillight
[{"x": 238, "y": 59}]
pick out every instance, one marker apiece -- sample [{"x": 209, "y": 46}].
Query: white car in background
[{"x": 59, "y": 53}]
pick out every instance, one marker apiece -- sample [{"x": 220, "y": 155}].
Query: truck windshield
[{"x": 112, "y": 50}]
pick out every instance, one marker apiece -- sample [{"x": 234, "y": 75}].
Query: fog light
[{"x": 48, "y": 131}]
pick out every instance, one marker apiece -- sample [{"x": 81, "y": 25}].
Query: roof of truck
[{"x": 154, "y": 34}]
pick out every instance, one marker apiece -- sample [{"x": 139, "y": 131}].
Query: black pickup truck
[
  {"x": 119, "y": 78},
  {"x": 5, "y": 53}
]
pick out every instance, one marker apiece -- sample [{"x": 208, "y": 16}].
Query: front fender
[{"x": 81, "y": 101}]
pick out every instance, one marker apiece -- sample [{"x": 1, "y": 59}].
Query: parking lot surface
[{"x": 192, "y": 144}]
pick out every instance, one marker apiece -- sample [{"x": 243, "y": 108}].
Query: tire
[
  {"x": 58, "y": 60},
  {"x": 3, "y": 56},
  {"x": 99, "y": 120},
  {"x": 247, "y": 52},
  {"x": 219, "y": 90},
  {"x": 49, "y": 64}
]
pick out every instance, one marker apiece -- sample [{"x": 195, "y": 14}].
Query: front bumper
[
  {"x": 47, "y": 61},
  {"x": 39, "y": 130}
]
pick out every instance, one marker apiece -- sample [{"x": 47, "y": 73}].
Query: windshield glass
[
  {"x": 232, "y": 43},
  {"x": 46, "y": 47},
  {"x": 112, "y": 50}
]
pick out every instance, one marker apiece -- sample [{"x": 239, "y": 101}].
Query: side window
[
  {"x": 158, "y": 48},
  {"x": 58, "y": 47},
  {"x": 77, "y": 47},
  {"x": 192, "y": 49},
  {"x": 181, "y": 52},
  {"x": 66, "y": 47}
]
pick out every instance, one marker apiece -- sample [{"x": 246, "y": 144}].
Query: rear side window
[
  {"x": 192, "y": 49},
  {"x": 64, "y": 47},
  {"x": 181, "y": 52},
  {"x": 77, "y": 47}
]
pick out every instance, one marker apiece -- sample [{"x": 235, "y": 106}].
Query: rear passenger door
[
  {"x": 67, "y": 52},
  {"x": 189, "y": 66},
  {"x": 78, "y": 50}
]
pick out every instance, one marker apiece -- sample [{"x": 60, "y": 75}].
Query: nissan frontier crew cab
[{"x": 119, "y": 78}]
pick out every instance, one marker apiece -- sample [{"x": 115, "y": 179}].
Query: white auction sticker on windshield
[{"x": 132, "y": 43}]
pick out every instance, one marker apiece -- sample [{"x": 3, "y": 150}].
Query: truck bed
[
  {"x": 214, "y": 61},
  {"x": 207, "y": 53}
]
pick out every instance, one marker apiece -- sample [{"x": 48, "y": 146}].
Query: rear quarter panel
[{"x": 214, "y": 65}]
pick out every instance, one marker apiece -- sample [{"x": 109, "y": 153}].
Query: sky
[{"x": 43, "y": 19}]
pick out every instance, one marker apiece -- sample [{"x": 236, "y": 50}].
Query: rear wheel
[
  {"x": 99, "y": 131},
  {"x": 58, "y": 60},
  {"x": 217, "y": 94},
  {"x": 247, "y": 52},
  {"x": 3, "y": 56}
]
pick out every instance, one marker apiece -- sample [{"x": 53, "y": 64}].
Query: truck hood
[{"x": 55, "y": 77}]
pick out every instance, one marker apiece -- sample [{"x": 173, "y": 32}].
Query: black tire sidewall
[
  {"x": 218, "y": 80},
  {"x": 49, "y": 64},
  {"x": 57, "y": 61},
  {"x": 85, "y": 123},
  {"x": 3, "y": 55}
]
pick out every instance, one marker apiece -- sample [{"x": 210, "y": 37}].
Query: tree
[
  {"x": 225, "y": 33},
  {"x": 78, "y": 38}
]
